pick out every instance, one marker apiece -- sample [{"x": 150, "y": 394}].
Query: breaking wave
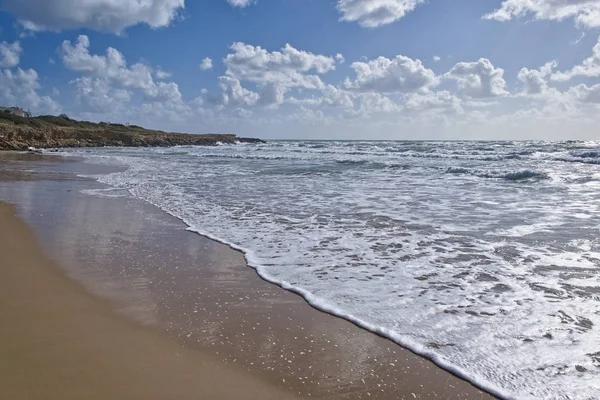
[{"x": 489, "y": 247}]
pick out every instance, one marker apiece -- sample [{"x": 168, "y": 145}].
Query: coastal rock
[{"x": 17, "y": 133}]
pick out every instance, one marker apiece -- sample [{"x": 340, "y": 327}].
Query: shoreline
[
  {"x": 336, "y": 313},
  {"x": 59, "y": 342},
  {"x": 373, "y": 362}
]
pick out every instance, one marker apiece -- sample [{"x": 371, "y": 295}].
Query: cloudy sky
[{"x": 329, "y": 69}]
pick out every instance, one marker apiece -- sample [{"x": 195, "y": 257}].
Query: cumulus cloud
[
  {"x": 232, "y": 93},
  {"x": 437, "y": 58},
  {"x": 535, "y": 81},
  {"x": 375, "y": 13},
  {"x": 586, "y": 13},
  {"x": 163, "y": 92},
  {"x": 240, "y": 3},
  {"x": 102, "y": 15},
  {"x": 335, "y": 97},
  {"x": 108, "y": 81},
  {"x": 21, "y": 87},
  {"x": 97, "y": 95},
  {"x": 370, "y": 103},
  {"x": 10, "y": 54},
  {"x": 287, "y": 67},
  {"x": 589, "y": 68},
  {"x": 398, "y": 75},
  {"x": 478, "y": 79},
  {"x": 330, "y": 96},
  {"x": 206, "y": 64},
  {"x": 111, "y": 66},
  {"x": 160, "y": 74},
  {"x": 442, "y": 100},
  {"x": 272, "y": 73},
  {"x": 586, "y": 94},
  {"x": 272, "y": 95},
  {"x": 351, "y": 104}
]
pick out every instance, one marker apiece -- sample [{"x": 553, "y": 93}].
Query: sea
[{"x": 481, "y": 256}]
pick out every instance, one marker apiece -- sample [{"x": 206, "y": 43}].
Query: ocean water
[{"x": 483, "y": 256}]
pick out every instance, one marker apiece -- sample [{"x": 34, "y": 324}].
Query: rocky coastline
[{"x": 20, "y": 133}]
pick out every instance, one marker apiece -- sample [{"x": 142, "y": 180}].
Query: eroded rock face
[{"x": 18, "y": 137}]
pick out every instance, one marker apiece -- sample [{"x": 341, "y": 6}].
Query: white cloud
[
  {"x": 589, "y": 68},
  {"x": 160, "y": 74},
  {"x": 10, "y": 54},
  {"x": 287, "y": 68},
  {"x": 399, "y": 75},
  {"x": 585, "y": 12},
  {"x": 330, "y": 96},
  {"x": 242, "y": 113},
  {"x": 375, "y": 13},
  {"x": 232, "y": 93},
  {"x": 163, "y": 92},
  {"x": 340, "y": 58},
  {"x": 437, "y": 58},
  {"x": 336, "y": 97},
  {"x": 369, "y": 103},
  {"x": 102, "y": 15},
  {"x": 351, "y": 104},
  {"x": 272, "y": 95},
  {"x": 442, "y": 100},
  {"x": 480, "y": 103},
  {"x": 240, "y": 3},
  {"x": 20, "y": 87},
  {"x": 78, "y": 58},
  {"x": 108, "y": 81},
  {"x": 578, "y": 40},
  {"x": 272, "y": 73},
  {"x": 308, "y": 116},
  {"x": 111, "y": 66},
  {"x": 206, "y": 64},
  {"x": 586, "y": 94},
  {"x": 535, "y": 81},
  {"x": 97, "y": 95},
  {"x": 478, "y": 79}
]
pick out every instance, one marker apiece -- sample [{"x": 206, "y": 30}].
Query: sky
[{"x": 310, "y": 69}]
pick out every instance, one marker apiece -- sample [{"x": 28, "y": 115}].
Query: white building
[{"x": 16, "y": 111}]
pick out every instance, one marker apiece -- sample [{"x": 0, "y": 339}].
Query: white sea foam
[
  {"x": 484, "y": 257},
  {"x": 111, "y": 192}
]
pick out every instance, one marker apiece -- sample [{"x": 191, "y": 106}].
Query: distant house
[{"x": 16, "y": 111}]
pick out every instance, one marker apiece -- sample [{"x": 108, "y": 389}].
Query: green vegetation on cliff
[{"x": 49, "y": 131}]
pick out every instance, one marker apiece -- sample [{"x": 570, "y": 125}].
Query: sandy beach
[
  {"x": 59, "y": 342},
  {"x": 104, "y": 296}
]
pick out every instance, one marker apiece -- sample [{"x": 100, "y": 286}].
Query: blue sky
[{"x": 327, "y": 69}]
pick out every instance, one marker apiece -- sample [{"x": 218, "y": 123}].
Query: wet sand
[
  {"x": 59, "y": 342},
  {"x": 200, "y": 296}
]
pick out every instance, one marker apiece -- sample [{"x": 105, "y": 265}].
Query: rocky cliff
[{"x": 17, "y": 133}]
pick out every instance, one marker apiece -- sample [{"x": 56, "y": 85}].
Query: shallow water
[{"x": 483, "y": 256}]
